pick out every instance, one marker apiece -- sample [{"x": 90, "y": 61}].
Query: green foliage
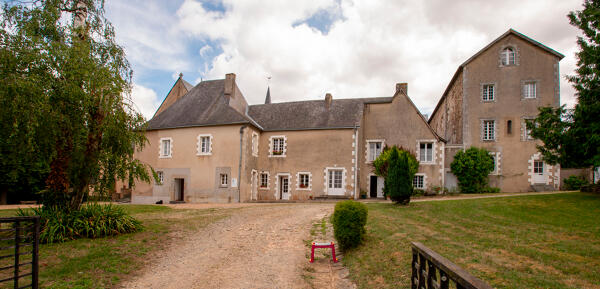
[
  {"x": 575, "y": 182},
  {"x": 490, "y": 190},
  {"x": 90, "y": 221},
  {"x": 349, "y": 220},
  {"x": 572, "y": 138},
  {"x": 399, "y": 180},
  {"x": 471, "y": 168},
  {"x": 381, "y": 164},
  {"x": 67, "y": 124}
]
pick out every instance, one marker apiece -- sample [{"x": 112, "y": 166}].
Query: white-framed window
[
  {"x": 538, "y": 167},
  {"x": 161, "y": 177},
  {"x": 508, "y": 56},
  {"x": 495, "y": 157},
  {"x": 419, "y": 181},
  {"x": 264, "y": 180},
  {"x": 374, "y": 149},
  {"x": 526, "y": 131},
  {"x": 489, "y": 130},
  {"x": 278, "y": 146},
  {"x": 303, "y": 181},
  {"x": 530, "y": 89},
  {"x": 426, "y": 152},
  {"x": 204, "y": 144},
  {"x": 224, "y": 180},
  {"x": 488, "y": 92},
  {"x": 255, "y": 144},
  {"x": 166, "y": 147}
]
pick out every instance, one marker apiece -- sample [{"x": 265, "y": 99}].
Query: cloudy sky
[{"x": 350, "y": 48}]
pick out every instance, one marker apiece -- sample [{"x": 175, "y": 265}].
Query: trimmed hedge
[
  {"x": 90, "y": 221},
  {"x": 349, "y": 220},
  {"x": 573, "y": 183}
]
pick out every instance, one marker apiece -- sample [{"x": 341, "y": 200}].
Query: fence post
[
  {"x": 35, "y": 258},
  {"x": 17, "y": 241}
]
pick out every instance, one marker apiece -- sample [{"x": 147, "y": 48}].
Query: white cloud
[
  {"x": 374, "y": 45},
  {"x": 145, "y": 100}
]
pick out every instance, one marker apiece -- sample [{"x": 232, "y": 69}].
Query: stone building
[
  {"x": 487, "y": 103},
  {"x": 208, "y": 145}
]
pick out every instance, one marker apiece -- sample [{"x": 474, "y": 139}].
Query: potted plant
[{"x": 277, "y": 153}]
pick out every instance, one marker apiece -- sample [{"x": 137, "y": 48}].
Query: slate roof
[
  {"x": 203, "y": 105},
  {"x": 313, "y": 114}
]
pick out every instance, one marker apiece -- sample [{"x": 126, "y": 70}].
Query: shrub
[
  {"x": 90, "y": 221},
  {"x": 472, "y": 168},
  {"x": 418, "y": 192},
  {"x": 575, "y": 182},
  {"x": 398, "y": 167},
  {"x": 491, "y": 190},
  {"x": 591, "y": 188},
  {"x": 349, "y": 220}
]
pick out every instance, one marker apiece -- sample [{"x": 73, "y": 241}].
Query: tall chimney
[
  {"x": 402, "y": 87},
  {"x": 328, "y": 99},
  {"x": 229, "y": 84}
]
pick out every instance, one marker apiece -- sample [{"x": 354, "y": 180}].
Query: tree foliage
[
  {"x": 472, "y": 167},
  {"x": 398, "y": 167},
  {"x": 67, "y": 123},
  {"x": 572, "y": 138}
]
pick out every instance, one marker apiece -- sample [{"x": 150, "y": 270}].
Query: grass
[
  {"x": 105, "y": 262},
  {"x": 543, "y": 241}
]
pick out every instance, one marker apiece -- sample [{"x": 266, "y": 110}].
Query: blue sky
[{"x": 308, "y": 48}]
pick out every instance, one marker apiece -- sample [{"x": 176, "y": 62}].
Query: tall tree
[
  {"x": 572, "y": 137},
  {"x": 64, "y": 101}
]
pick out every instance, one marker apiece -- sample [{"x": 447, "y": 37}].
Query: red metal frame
[{"x": 322, "y": 245}]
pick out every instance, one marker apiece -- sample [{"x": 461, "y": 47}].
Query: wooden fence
[
  {"x": 432, "y": 271},
  {"x": 19, "y": 248}
]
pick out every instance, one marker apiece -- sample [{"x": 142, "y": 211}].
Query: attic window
[{"x": 508, "y": 56}]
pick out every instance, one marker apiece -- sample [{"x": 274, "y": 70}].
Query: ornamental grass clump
[
  {"x": 90, "y": 221},
  {"x": 349, "y": 220}
]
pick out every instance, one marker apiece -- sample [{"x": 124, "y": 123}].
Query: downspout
[
  {"x": 240, "y": 165},
  {"x": 355, "y": 161}
]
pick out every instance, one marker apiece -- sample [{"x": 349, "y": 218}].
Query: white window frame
[
  {"x": 260, "y": 187},
  {"x": 161, "y": 149},
  {"x": 199, "y": 145},
  {"x": 485, "y": 134},
  {"x": 161, "y": 178},
  {"x": 529, "y": 89},
  {"x": 505, "y": 56},
  {"x": 433, "y": 148},
  {"x": 223, "y": 180},
  {"x": 299, "y": 179},
  {"x": 496, "y": 157},
  {"x": 272, "y": 146},
  {"x": 424, "y": 181},
  {"x": 486, "y": 96},
  {"x": 527, "y": 132},
  {"x": 255, "y": 140},
  {"x": 368, "y": 149}
]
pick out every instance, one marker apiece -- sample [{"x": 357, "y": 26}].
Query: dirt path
[{"x": 257, "y": 247}]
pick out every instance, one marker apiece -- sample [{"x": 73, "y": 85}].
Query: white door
[
  {"x": 380, "y": 182},
  {"x": 334, "y": 182},
  {"x": 539, "y": 172},
  {"x": 284, "y": 188},
  {"x": 254, "y": 184}
]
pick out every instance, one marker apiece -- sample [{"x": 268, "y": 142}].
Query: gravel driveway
[{"x": 256, "y": 247}]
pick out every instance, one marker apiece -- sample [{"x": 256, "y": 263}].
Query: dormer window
[{"x": 508, "y": 56}]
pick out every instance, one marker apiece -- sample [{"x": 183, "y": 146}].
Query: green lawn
[
  {"x": 104, "y": 262},
  {"x": 544, "y": 241}
]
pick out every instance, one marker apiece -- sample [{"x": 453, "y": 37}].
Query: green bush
[
  {"x": 418, "y": 192},
  {"x": 349, "y": 220},
  {"x": 398, "y": 167},
  {"x": 490, "y": 190},
  {"x": 90, "y": 221},
  {"x": 472, "y": 168},
  {"x": 591, "y": 188},
  {"x": 575, "y": 182}
]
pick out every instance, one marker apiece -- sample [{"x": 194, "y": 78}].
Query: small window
[
  {"x": 508, "y": 56},
  {"x": 254, "y": 144},
  {"x": 303, "y": 181},
  {"x": 161, "y": 177},
  {"x": 375, "y": 148},
  {"x": 205, "y": 144},
  {"x": 264, "y": 180},
  {"x": 426, "y": 152},
  {"x": 419, "y": 182},
  {"x": 488, "y": 92},
  {"x": 538, "y": 167},
  {"x": 529, "y": 90},
  {"x": 224, "y": 180},
  {"x": 278, "y": 146},
  {"x": 489, "y": 127},
  {"x": 495, "y": 161},
  {"x": 527, "y": 131},
  {"x": 165, "y": 148},
  {"x": 509, "y": 127}
]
